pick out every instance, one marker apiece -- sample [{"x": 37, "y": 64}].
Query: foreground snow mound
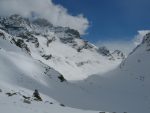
[
  {"x": 58, "y": 47},
  {"x": 17, "y": 104}
]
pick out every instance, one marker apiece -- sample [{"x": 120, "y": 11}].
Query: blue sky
[{"x": 111, "y": 19}]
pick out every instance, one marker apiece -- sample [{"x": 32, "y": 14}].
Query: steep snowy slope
[
  {"x": 59, "y": 47},
  {"x": 20, "y": 75},
  {"x": 126, "y": 88}
]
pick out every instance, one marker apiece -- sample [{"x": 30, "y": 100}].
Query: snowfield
[
  {"x": 125, "y": 88},
  {"x": 16, "y": 104},
  {"x": 71, "y": 75}
]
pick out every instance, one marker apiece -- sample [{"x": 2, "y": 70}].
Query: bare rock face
[
  {"x": 20, "y": 43},
  {"x": 104, "y": 51},
  {"x": 118, "y": 54},
  {"x": 37, "y": 96}
]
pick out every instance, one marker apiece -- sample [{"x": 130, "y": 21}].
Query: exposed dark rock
[
  {"x": 25, "y": 97},
  {"x": 49, "y": 41},
  {"x": 11, "y": 94},
  {"x": 146, "y": 39},
  {"x": 67, "y": 40},
  {"x": 61, "y": 78},
  {"x": 47, "y": 57},
  {"x": 37, "y": 95},
  {"x": 79, "y": 49},
  {"x": 20, "y": 43},
  {"x": 62, "y": 105},
  {"x": 87, "y": 45},
  {"x": 48, "y": 102},
  {"x": 2, "y": 35},
  {"x": 104, "y": 51},
  {"x": 51, "y": 102},
  {"x": 29, "y": 38},
  {"x": 118, "y": 54},
  {"x": 82, "y": 63},
  {"x": 73, "y": 32}
]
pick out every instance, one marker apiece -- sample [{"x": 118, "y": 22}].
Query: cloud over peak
[
  {"x": 124, "y": 45},
  {"x": 56, "y": 14},
  {"x": 139, "y": 38}
]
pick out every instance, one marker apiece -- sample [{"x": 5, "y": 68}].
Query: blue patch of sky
[{"x": 111, "y": 19}]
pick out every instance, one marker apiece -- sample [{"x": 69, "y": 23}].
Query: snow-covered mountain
[
  {"x": 59, "y": 47},
  {"x": 34, "y": 54},
  {"x": 20, "y": 75}
]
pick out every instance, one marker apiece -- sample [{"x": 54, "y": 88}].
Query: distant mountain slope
[{"x": 59, "y": 47}]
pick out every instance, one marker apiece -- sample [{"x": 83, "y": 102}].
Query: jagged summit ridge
[{"x": 59, "y": 47}]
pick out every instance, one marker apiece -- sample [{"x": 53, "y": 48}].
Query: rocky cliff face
[{"x": 59, "y": 47}]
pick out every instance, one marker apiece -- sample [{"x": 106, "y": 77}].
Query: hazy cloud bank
[
  {"x": 56, "y": 14},
  {"x": 125, "y": 46}
]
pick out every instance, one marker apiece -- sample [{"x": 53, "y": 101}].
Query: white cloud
[
  {"x": 123, "y": 45},
  {"x": 56, "y": 14},
  {"x": 138, "y": 38}
]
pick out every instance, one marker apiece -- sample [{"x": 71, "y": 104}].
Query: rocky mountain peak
[
  {"x": 145, "y": 43},
  {"x": 104, "y": 51},
  {"x": 16, "y": 21},
  {"x": 118, "y": 54},
  {"x": 146, "y": 39}
]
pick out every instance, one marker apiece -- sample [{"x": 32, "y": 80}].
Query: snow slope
[
  {"x": 125, "y": 88},
  {"x": 41, "y": 51}
]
